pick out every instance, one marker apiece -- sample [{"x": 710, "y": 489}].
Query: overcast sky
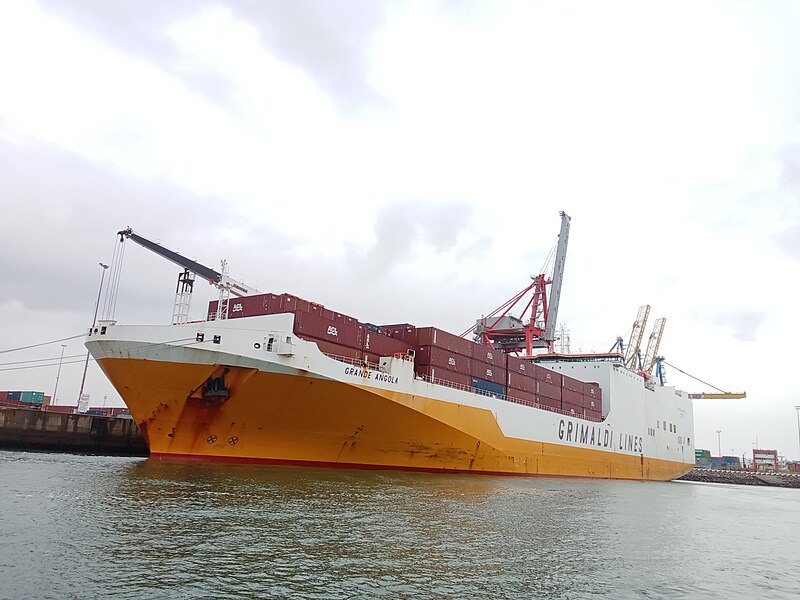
[{"x": 406, "y": 162}]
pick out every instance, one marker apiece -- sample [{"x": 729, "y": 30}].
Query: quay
[
  {"x": 789, "y": 480},
  {"x": 32, "y": 429}
]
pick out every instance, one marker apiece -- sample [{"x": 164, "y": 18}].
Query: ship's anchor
[{"x": 215, "y": 389}]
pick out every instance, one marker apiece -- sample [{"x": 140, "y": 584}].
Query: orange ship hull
[{"x": 294, "y": 419}]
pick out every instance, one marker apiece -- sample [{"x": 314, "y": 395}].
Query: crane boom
[
  {"x": 558, "y": 279},
  {"x": 226, "y": 285},
  {"x": 635, "y": 343},
  {"x": 653, "y": 342},
  {"x": 206, "y": 273}
]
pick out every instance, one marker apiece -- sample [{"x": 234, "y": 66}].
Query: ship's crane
[
  {"x": 183, "y": 293},
  {"x": 506, "y": 332}
]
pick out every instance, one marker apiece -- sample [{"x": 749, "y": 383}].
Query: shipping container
[
  {"x": 3, "y": 396},
  {"x": 548, "y": 390},
  {"x": 14, "y": 395},
  {"x": 405, "y": 332},
  {"x": 334, "y": 349},
  {"x": 439, "y": 373},
  {"x": 493, "y": 373},
  {"x": 377, "y": 345},
  {"x": 248, "y": 306},
  {"x": 441, "y": 357},
  {"x": 488, "y": 355},
  {"x": 517, "y": 365},
  {"x": 572, "y": 385},
  {"x": 572, "y": 409},
  {"x": 570, "y": 397},
  {"x": 595, "y": 415},
  {"x": 592, "y": 404},
  {"x": 593, "y": 390},
  {"x": 430, "y": 336},
  {"x": 307, "y": 325},
  {"x": 489, "y": 387},
  {"x": 548, "y": 402},
  {"x": 31, "y": 397},
  {"x": 547, "y": 376},
  {"x": 521, "y": 381},
  {"x": 522, "y": 397},
  {"x": 289, "y": 303}
]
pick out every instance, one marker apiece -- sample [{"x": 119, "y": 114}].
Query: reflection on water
[{"x": 84, "y": 527}]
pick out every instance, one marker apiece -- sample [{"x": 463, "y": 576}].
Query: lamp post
[
  {"x": 94, "y": 322},
  {"x": 719, "y": 444},
  {"x": 61, "y": 358},
  {"x": 797, "y": 408}
]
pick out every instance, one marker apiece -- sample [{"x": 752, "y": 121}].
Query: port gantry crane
[
  {"x": 503, "y": 331},
  {"x": 183, "y": 292}
]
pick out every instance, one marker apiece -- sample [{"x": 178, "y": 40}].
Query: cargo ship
[{"x": 277, "y": 379}]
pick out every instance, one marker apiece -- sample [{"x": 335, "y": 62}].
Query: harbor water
[{"x": 74, "y": 526}]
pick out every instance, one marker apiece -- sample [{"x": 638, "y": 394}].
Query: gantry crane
[
  {"x": 653, "y": 342},
  {"x": 633, "y": 351},
  {"x": 501, "y": 330},
  {"x": 183, "y": 293}
]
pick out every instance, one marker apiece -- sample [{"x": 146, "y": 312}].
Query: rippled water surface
[{"x": 92, "y": 527}]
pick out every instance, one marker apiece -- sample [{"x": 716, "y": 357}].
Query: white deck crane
[{"x": 183, "y": 293}]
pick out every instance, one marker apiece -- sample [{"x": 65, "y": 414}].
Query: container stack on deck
[{"x": 439, "y": 356}]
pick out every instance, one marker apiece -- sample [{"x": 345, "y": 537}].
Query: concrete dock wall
[{"x": 30, "y": 429}]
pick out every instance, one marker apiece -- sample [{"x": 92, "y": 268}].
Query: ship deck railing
[{"x": 465, "y": 388}]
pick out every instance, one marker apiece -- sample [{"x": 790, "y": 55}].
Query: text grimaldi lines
[{"x": 599, "y": 437}]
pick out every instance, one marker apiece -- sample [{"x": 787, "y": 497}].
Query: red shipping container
[
  {"x": 517, "y": 365},
  {"x": 430, "y": 336},
  {"x": 444, "y": 374},
  {"x": 291, "y": 303},
  {"x": 522, "y": 397},
  {"x": 517, "y": 381},
  {"x": 307, "y": 325},
  {"x": 572, "y": 409},
  {"x": 548, "y": 402},
  {"x": 570, "y": 397},
  {"x": 548, "y": 390},
  {"x": 379, "y": 345},
  {"x": 489, "y": 355},
  {"x": 573, "y": 385},
  {"x": 3, "y": 395},
  {"x": 337, "y": 349},
  {"x": 593, "y": 390},
  {"x": 547, "y": 376},
  {"x": 590, "y": 403},
  {"x": 593, "y": 414},
  {"x": 407, "y": 333},
  {"x": 488, "y": 372},
  {"x": 441, "y": 357}
]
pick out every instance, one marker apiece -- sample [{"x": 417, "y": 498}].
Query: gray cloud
[
  {"x": 401, "y": 226},
  {"x": 327, "y": 40},
  {"x": 61, "y": 213},
  {"x": 743, "y": 323}
]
